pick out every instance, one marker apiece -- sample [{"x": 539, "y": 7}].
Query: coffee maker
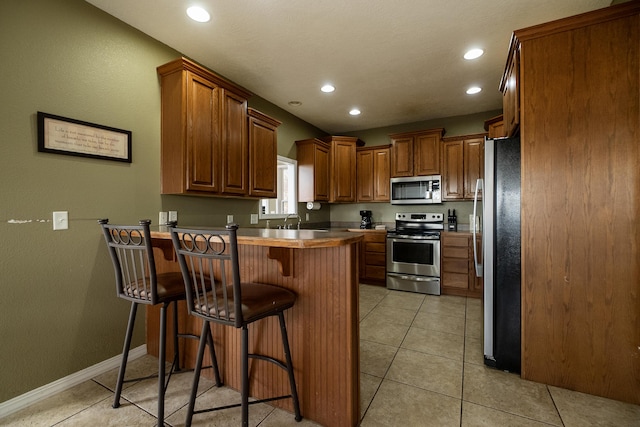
[{"x": 366, "y": 219}]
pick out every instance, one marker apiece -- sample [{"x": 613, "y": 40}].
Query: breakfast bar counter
[{"x": 321, "y": 267}]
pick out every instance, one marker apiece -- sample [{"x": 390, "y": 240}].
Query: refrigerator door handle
[{"x": 479, "y": 187}]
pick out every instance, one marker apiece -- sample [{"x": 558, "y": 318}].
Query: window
[{"x": 287, "y": 201}]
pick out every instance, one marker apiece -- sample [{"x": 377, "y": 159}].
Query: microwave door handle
[{"x": 479, "y": 184}]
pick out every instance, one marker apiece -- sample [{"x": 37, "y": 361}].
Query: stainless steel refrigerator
[{"x": 499, "y": 262}]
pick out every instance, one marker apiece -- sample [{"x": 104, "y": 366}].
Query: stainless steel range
[{"x": 413, "y": 253}]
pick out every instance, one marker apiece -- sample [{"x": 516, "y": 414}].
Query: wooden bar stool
[
  {"x": 210, "y": 268},
  {"x": 137, "y": 281}
]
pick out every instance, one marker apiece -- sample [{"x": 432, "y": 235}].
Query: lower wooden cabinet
[
  {"x": 373, "y": 257},
  {"x": 457, "y": 271}
]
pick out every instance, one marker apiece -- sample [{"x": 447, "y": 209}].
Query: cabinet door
[
  {"x": 365, "y": 175},
  {"x": 321, "y": 173},
  {"x": 453, "y": 172},
  {"x": 427, "y": 154},
  {"x": 510, "y": 93},
  {"x": 402, "y": 156},
  {"x": 343, "y": 168},
  {"x": 203, "y": 135},
  {"x": 263, "y": 155},
  {"x": 234, "y": 144},
  {"x": 381, "y": 175},
  {"x": 473, "y": 159}
]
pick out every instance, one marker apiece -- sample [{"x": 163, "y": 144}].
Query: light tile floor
[{"x": 421, "y": 365}]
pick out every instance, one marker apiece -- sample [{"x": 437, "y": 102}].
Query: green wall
[{"x": 58, "y": 311}]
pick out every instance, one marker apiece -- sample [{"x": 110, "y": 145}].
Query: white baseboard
[{"x": 48, "y": 390}]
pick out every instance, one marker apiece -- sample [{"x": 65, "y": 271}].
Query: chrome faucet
[{"x": 287, "y": 217}]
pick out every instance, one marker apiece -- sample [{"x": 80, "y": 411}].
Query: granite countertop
[{"x": 281, "y": 238}]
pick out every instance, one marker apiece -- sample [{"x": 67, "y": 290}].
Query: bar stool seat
[
  {"x": 209, "y": 263},
  {"x": 137, "y": 281}
]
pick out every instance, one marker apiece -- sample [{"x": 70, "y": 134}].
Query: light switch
[
  {"x": 61, "y": 220},
  {"x": 173, "y": 216},
  {"x": 229, "y": 219},
  {"x": 254, "y": 218}
]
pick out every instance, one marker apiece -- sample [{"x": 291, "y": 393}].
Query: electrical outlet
[
  {"x": 229, "y": 219},
  {"x": 173, "y": 216},
  {"x": 61, "y": 220},
  {"x": 254, "y": 218},
  {"x": 163, "y": 218}
]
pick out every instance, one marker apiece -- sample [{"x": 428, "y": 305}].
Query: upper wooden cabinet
[
  {"x": 510, "y": 88},
  {"x": 416, "y": 153},
  {"x": 342, "y": 168},
  {"x": 204, "y": 132},
  {"x": 263, "y": 155},
  {"x": 462, "y": 165},
  {"x": 372, "y": 166},
  {"x": 495, "y": 127},
  {"x": 313, "y": 170}
]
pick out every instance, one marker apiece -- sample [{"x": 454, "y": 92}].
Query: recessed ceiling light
[
  {"x": 198, "y": 14},
  {"x": 474, "y": 89},
  {"x": 354, "y": 112},
  {"x": 295, "y": 103},
  {"x": 473, "y": 54},
  {"x": 327, "y": 88}
]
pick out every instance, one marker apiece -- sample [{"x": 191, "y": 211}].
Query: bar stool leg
[
  {"x": 206, "y": 332},
  {"x": 245, "y": 377},
  {"x": 176, "y": 344},
  {"x": 287, "y": 353},
  {"x": 161, "y": 367},
  {"x": 214, "y": 360},
  {"x": 125, "y": 354}
]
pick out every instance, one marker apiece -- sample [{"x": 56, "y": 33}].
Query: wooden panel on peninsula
[{"x": 323, "y": 324}]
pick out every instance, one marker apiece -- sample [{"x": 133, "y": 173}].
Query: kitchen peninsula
[{"x": 321, "y": 267}]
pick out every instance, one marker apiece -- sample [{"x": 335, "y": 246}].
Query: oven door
[{"x": 413, "y": 255}]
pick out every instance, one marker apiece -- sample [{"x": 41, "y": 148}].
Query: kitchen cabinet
[
  {"x": 373, "y": 257},
  {"x": 342, "y": 169},
  {"x": 416, "y": 153},
  {"x": 327, "y": 169},
  {"x": 313, "y": 170},
  {"x": 263, "y": 155},
  {"x": 462, "y": 165},
  {"x": 204, "y": 147},
  {"x": 580, "y": 133},
  {"x": 509, "y": 86},
  {"x": 495, "y": 127},
  {"x": 457, "y": 270},
  {"x": 373, "y": 173}
]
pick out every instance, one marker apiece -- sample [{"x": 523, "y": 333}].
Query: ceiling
[{"x": 396, "y": 61}]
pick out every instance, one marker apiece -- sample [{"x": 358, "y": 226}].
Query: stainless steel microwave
[{"x": 416, "y": 190}]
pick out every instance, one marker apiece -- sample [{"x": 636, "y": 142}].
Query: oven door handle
[{"x": 414, "y": 278}]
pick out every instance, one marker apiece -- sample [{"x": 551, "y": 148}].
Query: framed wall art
[{"x": 62, "y": 135}]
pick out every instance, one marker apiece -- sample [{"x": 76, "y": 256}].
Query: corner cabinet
[
  {"x": 313, "y": 170},
  {"x": 327, "y": 169},
  {"x": 263, "y": 155},
  {"x": 204, "y": 132},
  {"x": 416, "y": 153},
  {"x": 372, "y": 169},
  {"x": 462, "y": 165}
]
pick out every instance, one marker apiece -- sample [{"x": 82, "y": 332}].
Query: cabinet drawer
[
  {"x": 456, "y": 266},
  {"x": 452, "y": 240},
  {"x": 375, "y": 258},
  {"x": 455, "y": 252},
  {"x": 375, "y": 237},
  {"x": 455, "y": 280},
  {"x": 375, "y": 247}
]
